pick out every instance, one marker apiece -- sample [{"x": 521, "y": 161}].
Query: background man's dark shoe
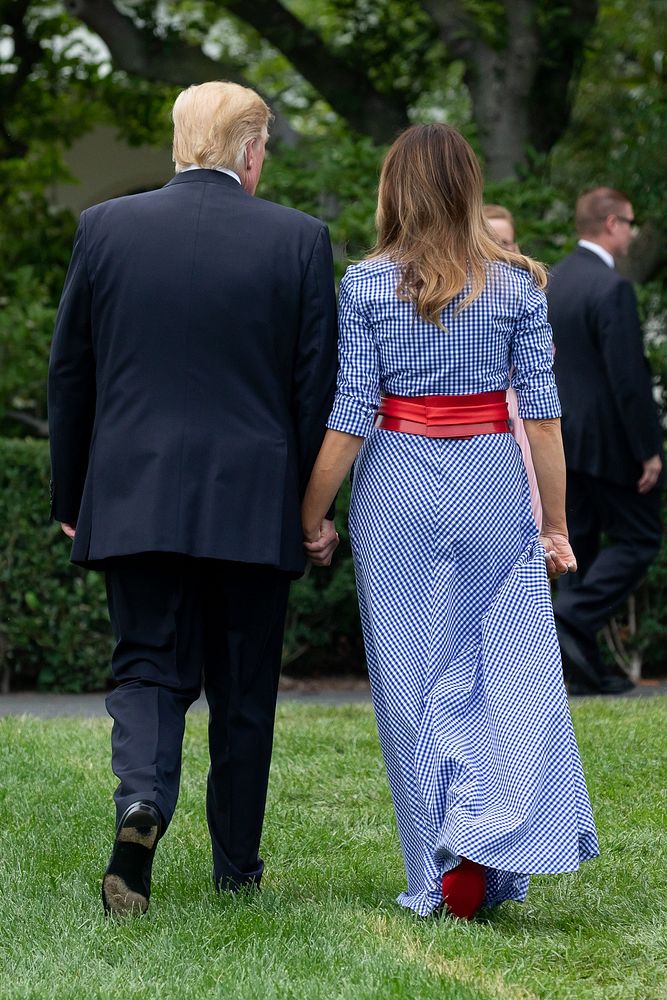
[
  {"x": 126, "y": 887},
  {"x": 584, "y": 670},
  {"x": 608, "y": 684},
  {"x": 615, "y": 684},
  {"x": 578, "y": 668},
  {"x": 577, "y": 690}
]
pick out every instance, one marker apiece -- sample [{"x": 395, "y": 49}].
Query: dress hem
[{"x": 514, "y": 885}]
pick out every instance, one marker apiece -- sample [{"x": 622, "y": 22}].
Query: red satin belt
[{"x": 445, "y": 416}]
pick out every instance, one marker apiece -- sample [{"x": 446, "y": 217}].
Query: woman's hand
[
  {"x": 333, "y": 463},
  {"x": 559, "y": 554},
  {"x": 321, "y": 543},
  {"x": 546, "y": 448}
]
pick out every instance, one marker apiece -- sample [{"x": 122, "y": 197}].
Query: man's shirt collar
[
  {"x": 221, "y": 170},
  {"x": 600, "y": 251}
]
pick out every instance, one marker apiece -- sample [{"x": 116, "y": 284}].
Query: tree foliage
[
  {"x": 370, "y": 60},
  {"x": 55, "y": 85}
]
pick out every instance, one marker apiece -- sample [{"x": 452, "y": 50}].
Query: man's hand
[
  {"x": 320, "y": 549},
  {"x": 652, "y": 469},
  {"x": 560, "y": 557},
  {"x": 68, "y": 529}
]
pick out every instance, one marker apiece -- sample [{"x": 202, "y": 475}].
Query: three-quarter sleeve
[
  {"x": 358, "y": 385},
  {"x": 532, "y": 357}
]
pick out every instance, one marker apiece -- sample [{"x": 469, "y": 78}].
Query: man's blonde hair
[{"x": 213, "y": 123}]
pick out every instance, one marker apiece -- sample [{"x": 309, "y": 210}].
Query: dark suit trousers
[
  {"x": 177, "y": 621},
  {"x": 607, "y": 574}
]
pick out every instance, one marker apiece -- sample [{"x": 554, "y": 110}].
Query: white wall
[{"x": 106, "y": 168}]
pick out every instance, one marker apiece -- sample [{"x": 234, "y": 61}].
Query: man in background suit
[
  {"x": 611, "y": 434},
  {"x": 192, "y": 372}
]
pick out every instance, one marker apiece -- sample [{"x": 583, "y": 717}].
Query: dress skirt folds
[{"x": 464, "y": 664}]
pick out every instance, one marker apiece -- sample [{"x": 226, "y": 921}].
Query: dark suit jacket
[
  {"x": 610, "y": 423},
  {"x": 192, "y": 371}
]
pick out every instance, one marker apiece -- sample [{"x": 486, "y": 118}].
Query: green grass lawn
[{"x": 326, "y": 924}]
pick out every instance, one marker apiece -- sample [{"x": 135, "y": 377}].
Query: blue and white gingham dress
[{"x": 455, "y": 604}]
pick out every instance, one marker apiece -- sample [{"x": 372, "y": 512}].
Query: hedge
[
  {"x": 54, "y": 630},
  {"x": 54, "y": 633}
]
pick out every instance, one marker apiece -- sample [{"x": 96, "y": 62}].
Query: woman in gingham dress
[{"x": 453, "y": 589}]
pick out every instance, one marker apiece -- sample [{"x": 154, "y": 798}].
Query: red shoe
[{"x": 464, "y": 889}]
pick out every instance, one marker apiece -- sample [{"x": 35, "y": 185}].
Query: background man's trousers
[
  {"x": 177, "y": 621},
  {"x": 631, "y": 526}
]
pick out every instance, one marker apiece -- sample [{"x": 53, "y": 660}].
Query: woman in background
[
  {"x": 502, "y": 222},
  {"x": 456, "y": 612}
]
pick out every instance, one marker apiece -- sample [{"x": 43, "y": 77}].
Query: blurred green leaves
[{"x": 54, "y": 631}]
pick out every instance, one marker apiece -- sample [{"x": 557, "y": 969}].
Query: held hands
[
  {"x": 68, "y": 529},
  {"x": 559, "y": 555},
  {"x": 652, "y": 468},
  {"x": 321, "y": 544}
]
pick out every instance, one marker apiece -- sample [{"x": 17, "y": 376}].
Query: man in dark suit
[
  {"x": 192, "y": 371},
  {"x": 611, "y": 434}
]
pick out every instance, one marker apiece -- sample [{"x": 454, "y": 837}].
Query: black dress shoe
[
  {"x": 615, "y": 684},
  {"x": 126, "y": 886},
  {"x": 585, "y": 672},
  {"x": 580, "y": 667},
  {"x": 577, "y": 690},
  {"x": 607, "y": 684}
]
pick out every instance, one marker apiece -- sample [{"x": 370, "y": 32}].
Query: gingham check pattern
[
  {"x": 455, "y": 604},
  {"x": 384, "y": 345}
]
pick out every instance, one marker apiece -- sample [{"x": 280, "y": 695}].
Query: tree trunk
[
  {"x": 498, "y": 89},
  {"x": 520, "y": 57}
]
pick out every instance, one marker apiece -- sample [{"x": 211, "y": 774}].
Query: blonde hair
[
  {"x": 498, "y": 212},
  {"x": 430, "y": 221},
  {"x": 213, "y": 123},
  {"x": 594, "y": 208}
]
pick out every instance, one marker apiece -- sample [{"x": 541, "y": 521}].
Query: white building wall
[{"x": 107, "y": 167}]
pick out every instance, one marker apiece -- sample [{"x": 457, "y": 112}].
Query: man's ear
[{"x": 249, "y": 151}]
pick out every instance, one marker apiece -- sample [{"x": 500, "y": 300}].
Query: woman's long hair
[{"x": 430, "y": 221}]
